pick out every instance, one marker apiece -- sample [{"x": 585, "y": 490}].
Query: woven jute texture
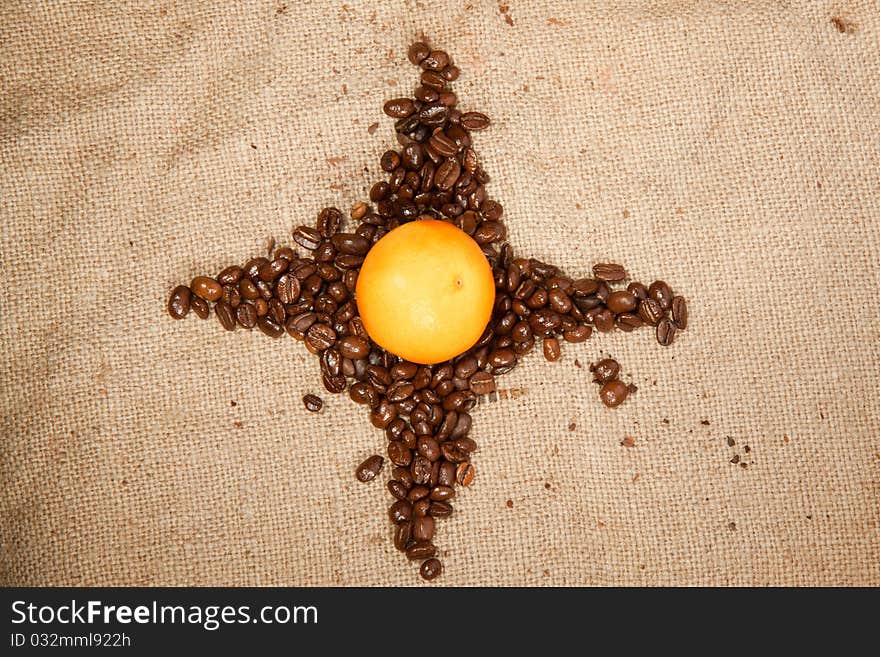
[{"x": 730, "y": 148}]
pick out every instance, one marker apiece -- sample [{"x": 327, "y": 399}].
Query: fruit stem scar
[{"x": 458, "y": 282}]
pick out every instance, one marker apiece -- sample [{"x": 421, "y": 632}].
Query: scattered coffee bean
[
  {"x": 200, "y": 307},
  {"x": 609, "y": 272},
  {"x": 368, "y": 470},
  {"x": 665, "y": 332},
  {"x": 660, "y": 292},
  {"x": 313, "y": 403},
  {"x": 206, "y": 288},
  {"x": 421, "y": 550},
  {"x": 226, "y": 315},
  {"x": 464, "y": 474},
  {"x": 474, "y": 121},
  {"x": 650, "y": 311},
  {"x": 179, "y": 303},
  {"x": 552, "y": 350},
  {"x": 399, "y": 108},
  {"x": 417, "y": 52},
  {"x": 679, "y": 312},
  {"x": 482, "y": 383},
  {"x": 613, "y": 393},
  {"x": 431, "y": 569},
  {"x": 605, "y": 370},
  {"x": 621, "y": 302}
]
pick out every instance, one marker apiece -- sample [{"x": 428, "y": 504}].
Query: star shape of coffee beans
[{"x": 307, "y": 291}]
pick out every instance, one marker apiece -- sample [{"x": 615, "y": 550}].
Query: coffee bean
[
  {"x": 200, "y": 307},
  {"x": 465, "y": 443},
  {"x": 421, "y": 550},
  {"x": 584, "y": 287},
  {"x": 272, "y": 270},
  {"x": 434, "y": 80},
  {"x": 431, "y": 569},
  {"x": 605, "y": 370},
  {"x": 230, "y": 275},
  {"x": 307, "y": 237},
  {"x": 270, "y": 327},
  {"x": 447, "y": 173},
  {"x": 464, "y": 474},
  {"x": 451, "y": 73},
  {"x": 265, "y": 289},
  {"x": 665, "y": 332},
  {"x": 206, "y": 288},
  {"x": 679, "y": 312},
  {"x": 246, "y": 315},
  {"x": 433, "y": 114},
  {"x": 320, "y": 337},
  {"x": 552, "y": 350},
  {"x": 399, "y": 390},
  {"x": 628, "y": 322},
  {"x": 580, "y": 333},
  {"x": 622, "y": 302},
  {"x": 402, "y": 535},
  {"x": 397, "y": 489},
  {"x": 389, "y": 162},
  {"x": 403, "y": 475},
  {"x": 351, "y": 243},
  {"x": 441, "y": 493},
  {"x": 650, "y": 311},
  {"x": 399, "y": 453},
  {"x": 423, "y": 528},
  {"x": 501, "y": 358},
  {"x": 417, "y": 52},
  {"x": 329, "y": 221},
  {"x": 462, "y": 426},
  {"x": 428, "y": 448},
  {"x": 299, "y": 324},
  {"x": 417, "y": 493},
  {"x": 559, "y": 301},
  {"x": 421, "y": 470},
  {"x": 226, "y": 315},
  {"x": 331, "y": 362},
  {"x": 368, "y": 470},
  {"x": 660, "y": 292},
  {"x": 436, "y": 60},
  {"x": 287, "y": 289},
  {"x": 399, "y": 108},
  {"x": 447, "y": 474},
  {"x": 426, "y": 94},
  {"x": 490, "y": 231},
  {"x": 603, "y": 320},
  {"x": 482, "y": 383},
  {"x": 179, "y": 302},
  {"x": 440, "y": 509},
  {"x": 354, "y": 347},
  {"x": 248, "y": 290},
  {"x": 475, "y": 121},
  {"x": 609, "y": 272},
  {"x": 613, "y": 393},
  {"x": 444, "y": 145},
  {"x": 639, "y": 290},
  {"x": 412, "y": 157},
  {"x": 400, "y": 512},
  {"x": 231, "y": 295}
]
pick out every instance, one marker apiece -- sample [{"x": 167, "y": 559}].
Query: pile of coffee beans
[{"x": 424, "y": 410}]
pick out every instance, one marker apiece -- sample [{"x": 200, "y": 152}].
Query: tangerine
[{"x": 425, "y": 291}]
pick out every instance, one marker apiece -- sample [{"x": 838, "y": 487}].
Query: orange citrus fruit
[{"x": 425, "y": 291}]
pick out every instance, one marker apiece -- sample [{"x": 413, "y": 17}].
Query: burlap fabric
[{"x": 731, "y": 148}]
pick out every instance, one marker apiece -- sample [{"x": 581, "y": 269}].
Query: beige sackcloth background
[{"x": 732, "y": 148}]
